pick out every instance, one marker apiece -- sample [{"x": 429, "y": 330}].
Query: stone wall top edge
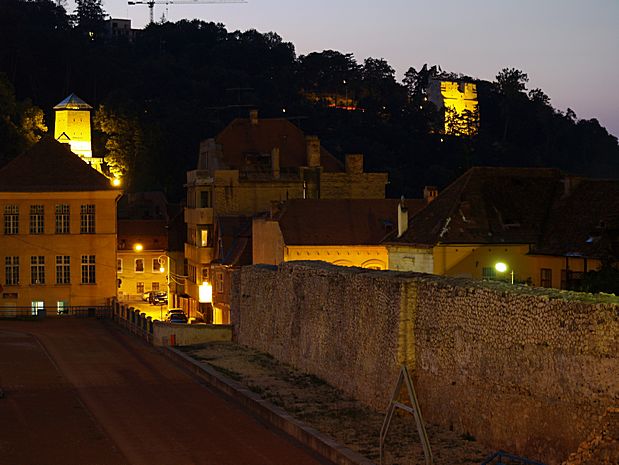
[{"x": 447, "y": 282}]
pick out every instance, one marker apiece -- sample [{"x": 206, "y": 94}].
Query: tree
[
  {"x": 511, "y": 84},
  {"x": 90, "y": 15},
  {"x": 124, "y": 141}
]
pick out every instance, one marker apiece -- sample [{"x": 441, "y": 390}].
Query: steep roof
[
  {"x": 242, "y": 136},
  {"x": 72, "y": 102},
  {"x": 234, "y": 246},
  {"x": 340, "y": 221},
  {"x": 487, "y": 206},
  {"x": 584, "y": 221},
  {"x": 49, "y": 166}
]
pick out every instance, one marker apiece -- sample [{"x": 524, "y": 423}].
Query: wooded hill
[{"x": 177, "y": 83}]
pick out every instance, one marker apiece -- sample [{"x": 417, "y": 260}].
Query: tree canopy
[{"x": 175, "y": 84}]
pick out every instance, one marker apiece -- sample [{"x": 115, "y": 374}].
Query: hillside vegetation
[{"x": 177, "y": 83}]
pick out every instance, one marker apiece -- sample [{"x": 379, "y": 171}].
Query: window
[
  {"x": 205, "y": 199},
  {"x": 488, "y": 272},
  {"x": 545, "y": 279},
  {"x": 37, "y": 269},
  {"x": 11, "y": 268},
  {"x": 11, "y": 219},
  {"x": 62, "y": 307},
  {"x": 139, "y": 265},
  {"x": 139, "y": 288},
  {"x": 87, "y": 219},
  {"x": 220, "y": 282},
  {"x": 63, "y": 269},
  {"x": 88, "y": 269},
  {"x": 119, "y": 265},
  {"x": 155, "y": 286},
  {"x": 192, "y": 273},
  {"x": 204, "y": 235},
  {"x": 156, "y": 265},
  {"x": 62, "y": 219},
  {"x": 36, "y": 219},
  {"x": 204, "y": 273},
  {"x": 37, "y": 306}
]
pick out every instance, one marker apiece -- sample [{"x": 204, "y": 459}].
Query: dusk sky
[{"x": 569, "y": 48}]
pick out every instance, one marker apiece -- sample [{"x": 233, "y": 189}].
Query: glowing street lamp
[
  {"x": 138, "y": 247},
  {"x": 502, "y": 268}
]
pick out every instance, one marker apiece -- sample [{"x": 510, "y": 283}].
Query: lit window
[
  {"x": 37, "y": 269},
  {"x": 11, "y": 268},
  {"x": 63, "y": 269},
  {"x": 87, "y": 219},
  {"x": 139, "y": 265},
  {"x": 88, "y": 269},
  {"x": 11, "y": 219},
  {"x": 62, "y": 219},
  {"x": 36, "y": 219}
]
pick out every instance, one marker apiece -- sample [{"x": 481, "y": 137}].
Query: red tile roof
[
  {"x": 241, "y": 137},
  {"x": 341, "y": 222},
  {"x": 49, "y": 166}
]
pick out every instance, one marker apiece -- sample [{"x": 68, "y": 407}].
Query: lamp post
[
  {"x": 164, "y": 265},
  {"x": 502, "y": 268}
]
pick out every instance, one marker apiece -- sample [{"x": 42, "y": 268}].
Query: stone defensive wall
[{"x": 523, "y": 369}]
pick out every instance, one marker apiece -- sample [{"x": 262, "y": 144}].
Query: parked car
[
  {"x": 177, "y": 318},
  {"x": 174, "y": 311},
  {"x": 146, "y": 296},
  {"x": 158, "y": 298}
]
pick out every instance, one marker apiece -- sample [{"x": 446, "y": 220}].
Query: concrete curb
[{"x": 277, "y": 417}]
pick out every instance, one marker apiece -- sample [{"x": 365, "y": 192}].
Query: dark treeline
[{"x": 177, "y": 83}]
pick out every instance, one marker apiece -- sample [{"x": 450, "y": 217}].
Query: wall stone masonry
[{"x": 523, "y": 369}]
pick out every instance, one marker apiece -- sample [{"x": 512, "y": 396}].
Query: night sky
[{"x": 569, "y": 48}]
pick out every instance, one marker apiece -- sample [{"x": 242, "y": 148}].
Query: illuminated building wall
[
  {"x": 459, "y": 99},
  {"x": 72, "y": 126}
]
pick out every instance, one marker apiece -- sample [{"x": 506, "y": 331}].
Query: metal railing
[{"x": 30, "y": 313}]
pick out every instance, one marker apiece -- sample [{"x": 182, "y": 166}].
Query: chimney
[
  {"x": 253, "y": 117},
  {"x": 430, "y": 193},
  {"x": 354, "y": 163},
  {"x": 312, "y": 144},
  {"x": 402, "y": 217},
  {"x": 275, "y": 162}
]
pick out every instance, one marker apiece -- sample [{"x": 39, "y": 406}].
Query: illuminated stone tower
[
  {"x": 459, "y": 99},
  {"x": 72, "y": 127}
]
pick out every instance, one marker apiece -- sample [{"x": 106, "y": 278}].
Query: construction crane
[{"x": 151, "y": 3}]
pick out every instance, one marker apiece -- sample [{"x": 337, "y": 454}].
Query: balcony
[
  {"x": 198, "y": 216},
  {"x": 197, "y": 254}
]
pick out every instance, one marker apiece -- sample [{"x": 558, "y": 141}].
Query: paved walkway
[{"x": 81, "y": 392}]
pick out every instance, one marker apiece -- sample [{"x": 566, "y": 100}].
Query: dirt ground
[{"x": 328, "y": 410}]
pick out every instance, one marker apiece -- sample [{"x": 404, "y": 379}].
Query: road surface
[{"x": 82, "y": 392}]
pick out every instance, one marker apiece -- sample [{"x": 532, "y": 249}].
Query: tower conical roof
[{"x": 73, "y": 102}]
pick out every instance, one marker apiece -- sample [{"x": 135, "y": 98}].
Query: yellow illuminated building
[
  {"x": 58, "y": 237},
  {"x": 72, "y": 126},
  {"x": 459, "y": 100}
]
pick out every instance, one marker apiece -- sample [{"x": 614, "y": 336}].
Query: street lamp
[
  {"x": 164, "y": 264},
  {"x": 502, "y": 268}
]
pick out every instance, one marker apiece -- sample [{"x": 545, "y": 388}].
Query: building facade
[
  {"x": 251, "y": 164},
  {"x": 58, "y": 241}
]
